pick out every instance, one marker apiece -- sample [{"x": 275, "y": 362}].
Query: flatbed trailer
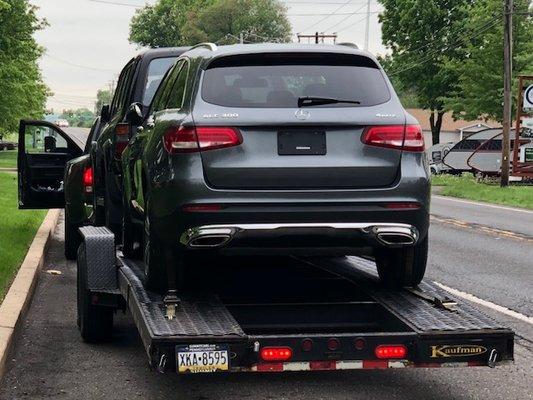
[{"x": 284, "y": 314}]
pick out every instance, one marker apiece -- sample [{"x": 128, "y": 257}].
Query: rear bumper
[{"x": 238, "y": 235}]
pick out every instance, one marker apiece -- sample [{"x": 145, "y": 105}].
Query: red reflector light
[
  {"x": 409, "y": 137},
  {"x": 402, "y": 206},
  {"x": 122, "y": 137},
  {"x": 307, "y": 344},
  {"x": 88, "y": 179},
  {"x": 200, "y": 138},
  {"x": 391, "y": 351},
  {"x": 333, "y": 344},
  {"x": 276, "y": 353},
  {"x": 201, "y": 207}
]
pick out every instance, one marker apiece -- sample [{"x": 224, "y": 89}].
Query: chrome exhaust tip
[
  {"x": 396, "y": 235},
  {"x": 195, "y": 238},
  {"x": 209, "y": 241}
]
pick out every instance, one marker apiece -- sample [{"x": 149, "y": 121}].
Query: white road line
[
  {"x": 485, "y": 303},
  {"x": 477, "y": 203}
]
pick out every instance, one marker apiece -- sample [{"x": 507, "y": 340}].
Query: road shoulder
[{"x": 18, "y": 298}]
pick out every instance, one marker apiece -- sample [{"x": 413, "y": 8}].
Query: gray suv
[{"x": 276, "y": 149}]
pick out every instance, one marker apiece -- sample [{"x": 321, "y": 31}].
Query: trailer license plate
[{"x": 196, "y": 358}]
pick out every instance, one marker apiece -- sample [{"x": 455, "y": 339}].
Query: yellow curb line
[{"x": 16, "y": 303}]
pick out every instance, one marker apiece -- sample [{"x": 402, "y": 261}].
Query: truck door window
[
  {"x": 156, "y": 72},
  {"x": 177, "y": 93},
  {"x": 42, "y": 139}
]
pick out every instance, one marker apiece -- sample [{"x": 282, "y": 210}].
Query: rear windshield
[
  {"x": 278, "y": 80},
  {"x": 156, "y": 71}
]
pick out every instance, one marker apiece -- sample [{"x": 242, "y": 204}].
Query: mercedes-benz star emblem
[{"x": 302, "y": 114}]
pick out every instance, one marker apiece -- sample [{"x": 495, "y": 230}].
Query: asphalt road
[
  {"x": 50, "y": 360},
  {"x": 79, "y": 135}
]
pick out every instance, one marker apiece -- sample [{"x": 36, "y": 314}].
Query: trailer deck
[{"x": 281, "y": 313}]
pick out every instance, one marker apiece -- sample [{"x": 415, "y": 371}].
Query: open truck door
[{"x": 44, "y": 150}]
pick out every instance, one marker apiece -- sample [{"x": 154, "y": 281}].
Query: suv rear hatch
[{"x": 289, "y": 147}]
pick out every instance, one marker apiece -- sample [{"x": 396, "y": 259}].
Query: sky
[{"x": 86, "y": 42}]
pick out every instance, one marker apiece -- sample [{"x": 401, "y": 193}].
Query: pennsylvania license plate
[{"x": 197, "y": 358}]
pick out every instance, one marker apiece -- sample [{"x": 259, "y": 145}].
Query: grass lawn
[
  {"x": 17, "y": 229},
  {"x": 467, "y": 187},
  {"x": 8, "y": 159}
]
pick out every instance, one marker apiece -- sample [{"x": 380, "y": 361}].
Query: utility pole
[
  {"x": 507, "y": 80},
  {"x": 367, "y": 28},
  {"x": 241, "y": 38}
]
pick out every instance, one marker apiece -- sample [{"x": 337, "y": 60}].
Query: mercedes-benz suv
[{"x": 277, "y": 149}]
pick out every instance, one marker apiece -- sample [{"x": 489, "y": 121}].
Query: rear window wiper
[{"x": 307, "y": 101}]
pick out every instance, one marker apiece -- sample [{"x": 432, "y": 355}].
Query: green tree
[
  {"x": 184, "y": 23},
  {"x": 160, "y": 25},
  {"x": 423, "y": 35},
  {"x": 22, "y": 91},
  {"x": 478, "y": 92},
  {"x": 226, "y": 20},
  {"x": 103, "y": 96},
  {"x": 81, "y": 117}
]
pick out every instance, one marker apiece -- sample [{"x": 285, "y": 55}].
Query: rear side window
[{"x": 278, "y": 80}]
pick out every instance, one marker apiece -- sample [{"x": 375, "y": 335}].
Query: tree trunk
[{"x": 435, "y": 126}]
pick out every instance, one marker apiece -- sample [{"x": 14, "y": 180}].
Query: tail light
[
  {"x": 201, "y": 207},
  {"x": 88, "y": 180},
  {"x": 402, "y": 205},
  {"x": 408, "y": 137},
  {"x": 276, "y": 353},
  {"x": 192, "y": 139},
  {"x": 122, "y": 137},
  {"x": 391, "y": 351}
]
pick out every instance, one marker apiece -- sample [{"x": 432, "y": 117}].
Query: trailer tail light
[
  {"x": 408, "y": 137},
  {"x": 122, "y": 137},
  {"x": 276, "y": 353},
  {"x": 192, "y": 139},
  {"x": 88, "y": 180},
  {"x": 386, "y": 351},
  {"x": 333, "y": 344}
]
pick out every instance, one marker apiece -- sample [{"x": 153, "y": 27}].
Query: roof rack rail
[
  {"x": 207, "y": 45},
  {"x": 348, "y": 44}
]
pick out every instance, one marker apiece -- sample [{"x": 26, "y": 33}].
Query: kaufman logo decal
[{"x": 456, "y": 350}]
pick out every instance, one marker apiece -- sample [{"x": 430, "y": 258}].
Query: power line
[
  {"x": 351, "y": 25},
  {"x": 77, "y": 65},
  {"x": 328, "y": 15},
  {"x": 339, "y": 14},
  {"x": 430, "y": 55},
  {"x": 342, "y": 20},
  {"x": 116, "y": 3}
]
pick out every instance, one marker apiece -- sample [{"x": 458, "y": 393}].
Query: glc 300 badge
[
  {"x": 456, "y": 350},
  {"x": 224, "y": 115}
]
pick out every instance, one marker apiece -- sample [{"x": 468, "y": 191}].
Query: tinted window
[
  {"x": 156, "y": 71},
  {"x": 177, "y": 93},
  {"x": 277, "y": 80},
  {"x": 468, "y": 144}
]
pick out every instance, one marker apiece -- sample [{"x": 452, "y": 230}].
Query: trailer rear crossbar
[{"x": 298, "y": 315}]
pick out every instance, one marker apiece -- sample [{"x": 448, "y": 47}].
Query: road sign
[{"x": 528, "y": 98}]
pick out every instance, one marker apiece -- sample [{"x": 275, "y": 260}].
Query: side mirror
[
  {"x": 104, "y": 113},
  {"x": 135, "y": 114}
]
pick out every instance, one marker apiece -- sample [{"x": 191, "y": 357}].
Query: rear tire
[
  {"x": 156, "y": 260},
  {"x": 94, "y": 322},
  {"x": 130, "y": 237},
  {"x": 402, "y": 267},
  {"x": 72, "y": 239}
]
